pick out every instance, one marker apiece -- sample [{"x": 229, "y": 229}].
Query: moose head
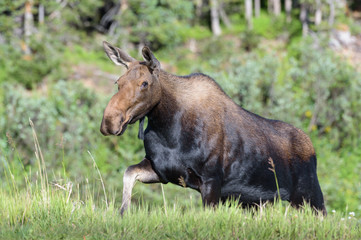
[{"x": 139, "y": 90}]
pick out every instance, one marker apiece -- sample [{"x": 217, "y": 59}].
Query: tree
[
  {"x": 331, "y": 17},
  {"x": 257, "y": 7},
  {"x": 41, "y": 13},
  {"x": 248, "y": 13},
  {"x": 318, "y": 12},
  {"x": 288, "y": 8},
  {"x": 216, "y": 28},
  {"x": 28, "y": 26},
  {"x": 304, "y": 18},
  {"x": 224, "y": 16},
  {"x": 276, "y": 7}
]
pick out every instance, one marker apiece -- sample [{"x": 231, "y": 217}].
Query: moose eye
[{"x": 144, "y": 85}]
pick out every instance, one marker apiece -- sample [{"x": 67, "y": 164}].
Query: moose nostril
[
  {"x": 103, "y": 131},
  {"x": 116, "y": 132}
]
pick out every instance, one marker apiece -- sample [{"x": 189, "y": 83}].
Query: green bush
[
  {"x": 29, "y": 70},
  {"x": 249, "y": 40},
  {"x": 157, "y": 23},
  {"x": 269, "y": 26},
  {"x": 330, "y": 89},
  {"x": 67, "y": 119},
  {"x": 216, "y": 49},
  {"x": 195, "y": 32}
]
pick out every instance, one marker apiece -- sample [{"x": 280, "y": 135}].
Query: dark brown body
[{"x": 199, "y": 138}]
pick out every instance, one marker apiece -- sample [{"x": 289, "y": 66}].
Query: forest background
[{"x": 298, "y": 61}]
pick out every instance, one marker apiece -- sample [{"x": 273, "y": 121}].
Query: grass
[
  {"x": 33, "y": 216},
  {"x": 63, "y": 210}
]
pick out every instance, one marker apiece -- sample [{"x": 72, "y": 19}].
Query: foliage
[
  {"x": 67, "y": 119},
  {"x": 269, "y": 26},
  {"x": 339, "y": 174},
  {"x": 16, "y": 67},
  {"x": 67, "y": 101},
  {"x": 250, "y": 40},
  {"x": 216, "y": 49},
  {"x": 170, "y": 19},
  {"x": 354, "y": 26},
  {"x": 81, "y": 14},
  {"x": 195, "y": 32},
  {"x": 332, "y": 87}
]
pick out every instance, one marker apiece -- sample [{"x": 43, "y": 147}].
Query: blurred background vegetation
[{"x": 295, "y": 60}]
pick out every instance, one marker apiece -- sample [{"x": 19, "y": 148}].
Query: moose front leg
[
  {"x": 142, "y": 172},
  {"x": 211, "y": 192}
]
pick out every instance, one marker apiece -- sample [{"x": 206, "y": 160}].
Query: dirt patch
[{"x": 94, "y": 78}]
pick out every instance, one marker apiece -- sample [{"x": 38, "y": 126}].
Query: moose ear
[
  {"x": 149, "y": 58},
  {"x": 118, "y": 56}
]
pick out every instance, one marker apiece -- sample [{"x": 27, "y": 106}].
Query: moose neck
[{"x": 168, "y": 106}]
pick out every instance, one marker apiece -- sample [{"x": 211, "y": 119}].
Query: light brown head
[{"x": 139, "y": 90}]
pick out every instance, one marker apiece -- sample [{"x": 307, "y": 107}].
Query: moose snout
[{"x": 111, "y": 125}]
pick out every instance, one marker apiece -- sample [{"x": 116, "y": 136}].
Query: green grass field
[
  {"x": 52, "y": 214},
  {"x": 59, "y": 209}
]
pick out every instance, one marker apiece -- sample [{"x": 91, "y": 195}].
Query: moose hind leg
[
  {"x": 312, "y": 196},
  {"x": 317, "y": 201},
  {"x": 142, "y": 172}
]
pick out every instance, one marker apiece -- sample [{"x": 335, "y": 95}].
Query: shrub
[
  {"x": 329, "y": 87},
  {"x": 269, "y": 26},
  {"x": 250, "y": 40},
  {"x": 25, "y": 69},
  {"x": 67, "y": 119},
  {"x": 157, "y": 23}
]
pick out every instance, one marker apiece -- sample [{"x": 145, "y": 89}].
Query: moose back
[{"x": 198, "y": 137}]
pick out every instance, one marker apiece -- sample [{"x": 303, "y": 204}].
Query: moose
[{"x": 198, "y": 137}]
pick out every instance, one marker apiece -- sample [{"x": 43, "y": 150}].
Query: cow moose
[{"x": 197, "y": 137}]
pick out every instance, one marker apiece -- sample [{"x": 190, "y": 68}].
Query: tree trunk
[
  {"x": 224, "y": 16},
  {"x": 331, "y": 18},
  {"x": 216, "y": 28},
  {"x": 257, "y": 7},
  {"x": 270, "y": 6},
  {"x": 304, "y": 18},
  {"x": 28, "y": 26},
  {"x": 288, "y": 8},
  {"x": 248, "y": 13},
  {"x": 41, "y": 14},
  {"x": 276, "y": 7},
  {"x": 198, "y": 12},
  {"x": 318, "y": 13}
]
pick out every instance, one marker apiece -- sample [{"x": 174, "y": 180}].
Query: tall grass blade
[
  {"x": 273, "y": 169},
  {"x": 101, "y": 179},
  {"x": 41, "y": 163},
  {"x": 164, "y": 202}
]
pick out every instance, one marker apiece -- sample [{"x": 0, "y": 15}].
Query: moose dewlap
[{"x": 196, "y": 133}]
